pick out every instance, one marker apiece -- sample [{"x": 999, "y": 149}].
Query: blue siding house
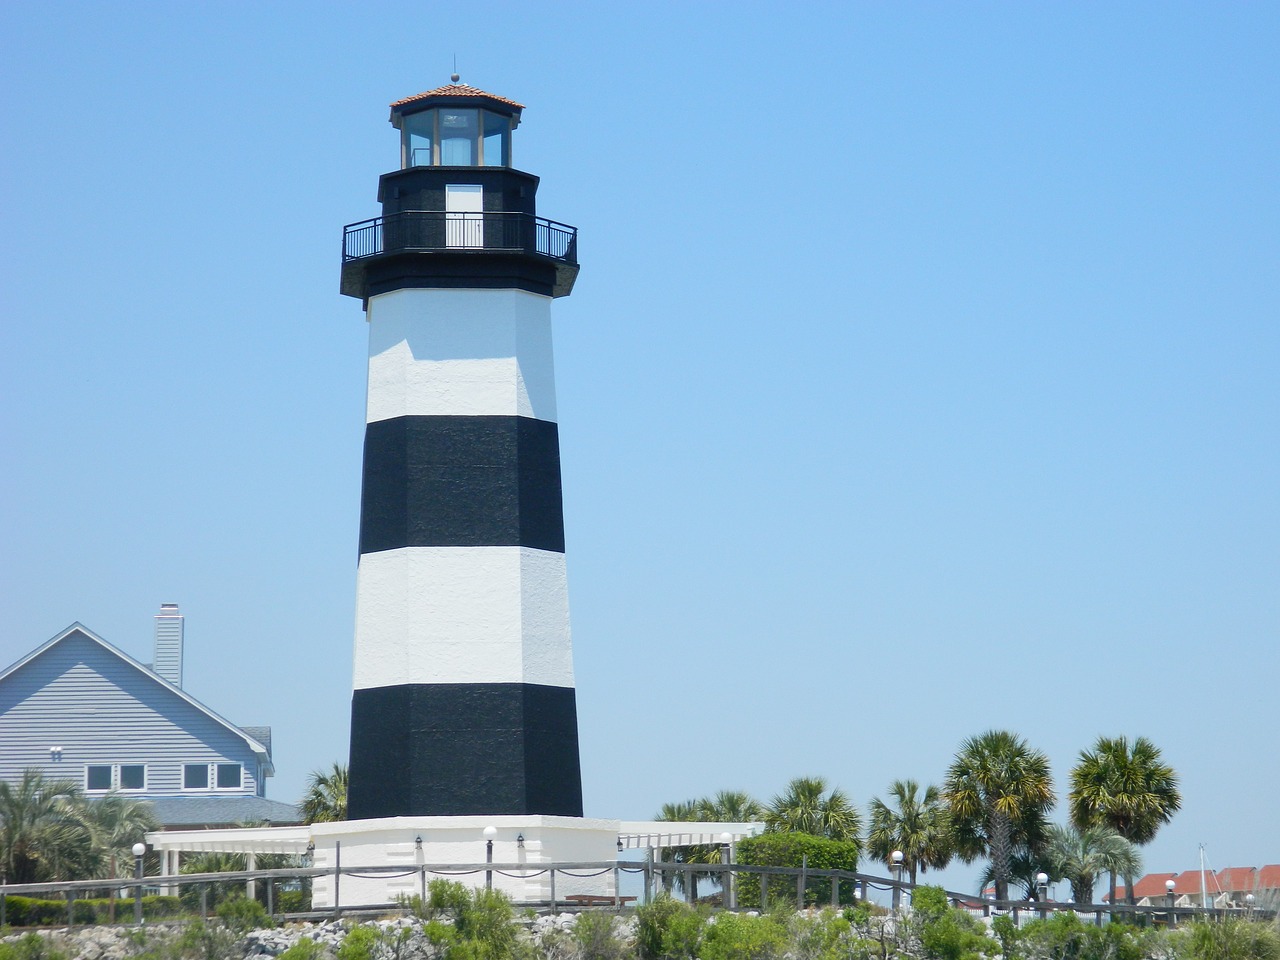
[{"x": 77, "y": 708}]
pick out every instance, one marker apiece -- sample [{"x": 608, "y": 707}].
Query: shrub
[
  {"x": 947, "y": 933},
  {"x": 30, "y": 912},
  {"x": 203, "y": 941},
  {"x": 30, "y": 947},
  {"x": 595, "y": 937},
  {"x": 304, "y": 949},
  {"x": 240, "y": 914},
  {"x": 820, "y": 937},
  {"x": 666, "y": 929},
  {"x": 359, "y": 944},
  {"x": 793, "y": 850},
  {"x": 737, "y": 936},
  {"x": 1229, "y": 939}
]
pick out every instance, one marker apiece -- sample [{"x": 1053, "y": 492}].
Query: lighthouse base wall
[{"x": 456, "y": 846}]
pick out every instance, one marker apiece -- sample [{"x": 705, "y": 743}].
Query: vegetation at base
[
  {"x": 794, "y": 850},
  {"x": 29, "y": 912},
  {"x": 50, "y": 831},
  {"x": 468, "y": 924}
]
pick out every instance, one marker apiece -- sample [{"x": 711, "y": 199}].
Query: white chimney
[{"x": 167, "y": 661}]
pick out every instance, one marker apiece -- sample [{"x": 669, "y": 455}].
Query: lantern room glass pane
[
  {"x": 459, "y": 134},
  {"x": 417, "y": 132},
  {"x": 496, "y": 128}
]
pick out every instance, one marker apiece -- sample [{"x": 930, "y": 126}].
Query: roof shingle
[{"x": 457, "y": 90}]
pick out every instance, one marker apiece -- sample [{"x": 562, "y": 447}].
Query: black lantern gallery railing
[{"x": 437, "y": 231}]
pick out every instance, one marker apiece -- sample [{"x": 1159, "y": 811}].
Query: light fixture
[
  {"x": 417, "y": 841},
  {"x": 896, "y": 857},
  {"x": 520, "y": 840},
  {"x": 620, "y": 846},
  {"x": 490, "y": 833},
  {"x": 139, "y": 849},
  {"x": 1169, "y": 885}
]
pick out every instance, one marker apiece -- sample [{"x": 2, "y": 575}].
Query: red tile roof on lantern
[{"x": 457, "y": 90}]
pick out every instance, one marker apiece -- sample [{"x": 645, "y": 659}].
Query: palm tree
[
  {"x": 326, "y": 798},
  {"x": 1127, "y": 787},
  {"x": 998, "y": 791},
  {"x": 730, "y": 806},
  {"x": 44, "y": 833},
  {"x": 1080, "y": 855},
  {"x": 806, "y": 807},
  {"x": 116, "y": 824},
  {"x": 918, "y": 827}
]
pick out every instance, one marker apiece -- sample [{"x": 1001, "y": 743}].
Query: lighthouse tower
[{"x": 464, "y": 696}]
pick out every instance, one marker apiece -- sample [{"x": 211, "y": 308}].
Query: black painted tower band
[
  {"x": 461, "y": 482},
  {"x": 465, "y": 749}
]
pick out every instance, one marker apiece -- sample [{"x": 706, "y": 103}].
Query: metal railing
[
  {"x": 742, "y": 886},
  {"x": 432, "y": 231}
]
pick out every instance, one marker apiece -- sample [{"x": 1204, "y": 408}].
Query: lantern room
[{"x": 455, "y": 126}]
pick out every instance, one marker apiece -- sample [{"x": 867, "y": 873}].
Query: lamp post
[
  {"x": 1168, "y": 889},
  {"x": 726, "y": 857},
  {"x": 489, "y": 833},
  {"x": 897, "y": 858},
  {"x": 1042, "y": 892},
  {"x": 139, "y": 849}
]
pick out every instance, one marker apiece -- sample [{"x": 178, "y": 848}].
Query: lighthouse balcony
[{"x": 492, "y": 237}]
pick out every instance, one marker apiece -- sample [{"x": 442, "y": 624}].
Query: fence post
[
  {"x": 648, "y": 876},
  {"x": 764, "y": 892},
  {"x": 422, "y": 884},
  {"x": 71, "y": 908},
  {"x": 801, "y": 878},
  {"x": 553, "y": 889},
  {"x": 271, "y": 886},
  {"x": 204, "y": 901},
  {"x": 337, "y": 878},
  {"x": 835, "y": 890},
  {"x": 617, "y": 891}
]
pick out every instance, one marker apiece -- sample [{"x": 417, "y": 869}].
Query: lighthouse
[{"x": 463, "y": 700}]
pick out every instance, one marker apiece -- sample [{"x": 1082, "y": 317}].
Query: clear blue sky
[{"x": 921, "y": 377}]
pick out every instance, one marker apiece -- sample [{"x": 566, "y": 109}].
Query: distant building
[
  {"x": 77, "y": 708},
  {"x": 1230, "y": 887}
]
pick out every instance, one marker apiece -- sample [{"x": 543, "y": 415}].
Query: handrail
[
  {"x": 437, "y": 231},
  {"x": 653, "y": 870}
]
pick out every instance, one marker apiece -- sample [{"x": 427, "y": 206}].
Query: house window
[
  {"x": 133, "y": 776},
  {"x": 229, "y": 776},
  {"x": 97, "y": 777},
  {"x": 195, "y": 776}
]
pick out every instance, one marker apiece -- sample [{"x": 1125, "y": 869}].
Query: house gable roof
[{"x": 79, "y": 629}]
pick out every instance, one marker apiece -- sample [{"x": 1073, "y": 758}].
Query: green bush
[
  {"x": 667, "y": 929},
  {"x": 821, "y": 937},
  {"x": 947, "y": 933},
  {"x": 240, "y": 914},
  {"x": 204, "y": 941},
  {"x": 293, "y": 901},
  {"x": 30, "y": 947},
  {"x": 30, "y": 912},
  {"x": 1229, "y": 939},
  {"x": 1064, "y": 936},
  {"x": 736, "y": 936},
  {"x": 304, "y": 949},
  {"x": 358, "y": 944},
  {"x": 791, "y": 850},
  {"x": 595, "y": 937}
]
